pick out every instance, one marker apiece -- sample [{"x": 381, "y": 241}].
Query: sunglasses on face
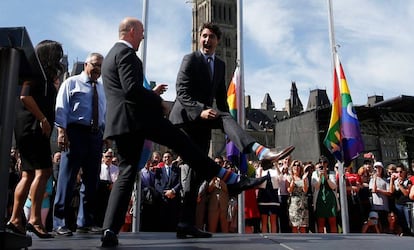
[{"x": 95, "y": 65}]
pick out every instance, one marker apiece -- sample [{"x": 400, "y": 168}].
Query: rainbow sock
[
  {"x": 259, "y": 150},
  {"x": 228, "y": 176}
]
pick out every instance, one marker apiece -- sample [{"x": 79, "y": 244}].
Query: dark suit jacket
[
  {"x": 129, "y": 104},
  {"x": 163, "y": 182},
  {"x": 196, "y": 91}
]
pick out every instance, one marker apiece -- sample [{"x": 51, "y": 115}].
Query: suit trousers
[
  {"x": 200, "y": 133},
  {"x": 161, "y": 131},
  {"x": 227, "y": 124},
  {"x": 85, "y": 151}
]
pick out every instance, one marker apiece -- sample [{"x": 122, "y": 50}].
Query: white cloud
[
  {"x": 291, "y": 54},
  {"x": 87, "y": 31}
]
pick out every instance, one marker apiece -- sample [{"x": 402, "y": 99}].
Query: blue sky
[{"x": 284, "y": 41}]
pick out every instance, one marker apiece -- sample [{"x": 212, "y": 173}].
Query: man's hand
[
  {"x": 160, "y": 89},
  {"x": 45, "y": 126},
  {"x": 62, "y": 140},
  {"x": 209, "y": 114},
  {"x": 170, "y": 194}
]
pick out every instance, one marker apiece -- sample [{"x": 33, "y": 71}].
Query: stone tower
[
  {"x": 295, "y": 105},
  {"x": 224, "y": 14},
  {"x": 318, "y": 99},
  {"x": 267, "y": 103}
]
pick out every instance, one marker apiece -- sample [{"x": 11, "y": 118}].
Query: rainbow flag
[
  {"x": 352, "y": 142},
  {"x": 232, "y": 94},
  {"x": 343, "y": 139},
  {"x": 233, "y": 98},
  {"x": 333, "y": 138}
]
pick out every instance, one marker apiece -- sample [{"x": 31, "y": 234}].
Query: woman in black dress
[{"x": 35, "y": 114}]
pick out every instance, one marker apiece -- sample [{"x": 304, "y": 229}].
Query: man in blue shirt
[{"x": 80, "y": 116}]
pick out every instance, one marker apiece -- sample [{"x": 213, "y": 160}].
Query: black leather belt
[{"x": 85, "y": 128}]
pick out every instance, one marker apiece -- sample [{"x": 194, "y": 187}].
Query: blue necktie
[
  {"x": 210, "y": 64},
  {"x": 168, "y": 171}
]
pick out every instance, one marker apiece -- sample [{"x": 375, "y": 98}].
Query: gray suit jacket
[{"x": 164, "y": 182}]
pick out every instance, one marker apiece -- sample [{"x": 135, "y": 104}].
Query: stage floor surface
[{"x": 168, "y": 241}]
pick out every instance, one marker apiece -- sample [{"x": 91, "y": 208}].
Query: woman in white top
[{"x": 268, "y": 198}]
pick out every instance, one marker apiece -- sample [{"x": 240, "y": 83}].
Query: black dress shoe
[
  {"x": 184, "y": 232},
  {"x": 109, "y": 239},
  {"x": 33, "y": 229},
  {"x": 275, "y": 156},
  {"x": 245, "y": 183},
  {"x": 10, "y": 226}
]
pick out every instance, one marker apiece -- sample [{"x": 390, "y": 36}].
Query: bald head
[
  {"x": 127, "y": 24},
  {"x": 131, "y": 30}
]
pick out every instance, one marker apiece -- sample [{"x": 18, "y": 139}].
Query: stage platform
[{"x": 146, "y": 240}]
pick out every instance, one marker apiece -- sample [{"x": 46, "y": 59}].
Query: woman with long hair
[
  {"x": 35, "y": 114},
  {"x": 298, "y": 200}
]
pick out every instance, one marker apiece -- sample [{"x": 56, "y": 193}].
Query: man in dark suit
[
  {"x": 168, "y": 187},
  {"x": 135, "y": 114},
  {"x": 200, "y": 81},
  {"x": 149, "y": 200}
]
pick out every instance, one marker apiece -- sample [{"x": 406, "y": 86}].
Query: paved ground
[{"x": 232, "y": 241}]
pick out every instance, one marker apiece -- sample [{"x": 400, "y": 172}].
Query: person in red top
[
  {"x": 353, "y": 184},
  {"x": 251, "y": 209},
  {"x": 411, "y": 172}
]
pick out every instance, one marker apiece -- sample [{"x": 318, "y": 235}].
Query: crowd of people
[{"x": 379, "y": 199}]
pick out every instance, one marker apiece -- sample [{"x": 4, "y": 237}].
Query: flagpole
[
  {"x": 331, "y": 32},
  {"x": 136, "y": 218},
  {"x": 143, "y": 51},
  {"x": 342, "y": 185},
  {"x": 241, "y": 117}
]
